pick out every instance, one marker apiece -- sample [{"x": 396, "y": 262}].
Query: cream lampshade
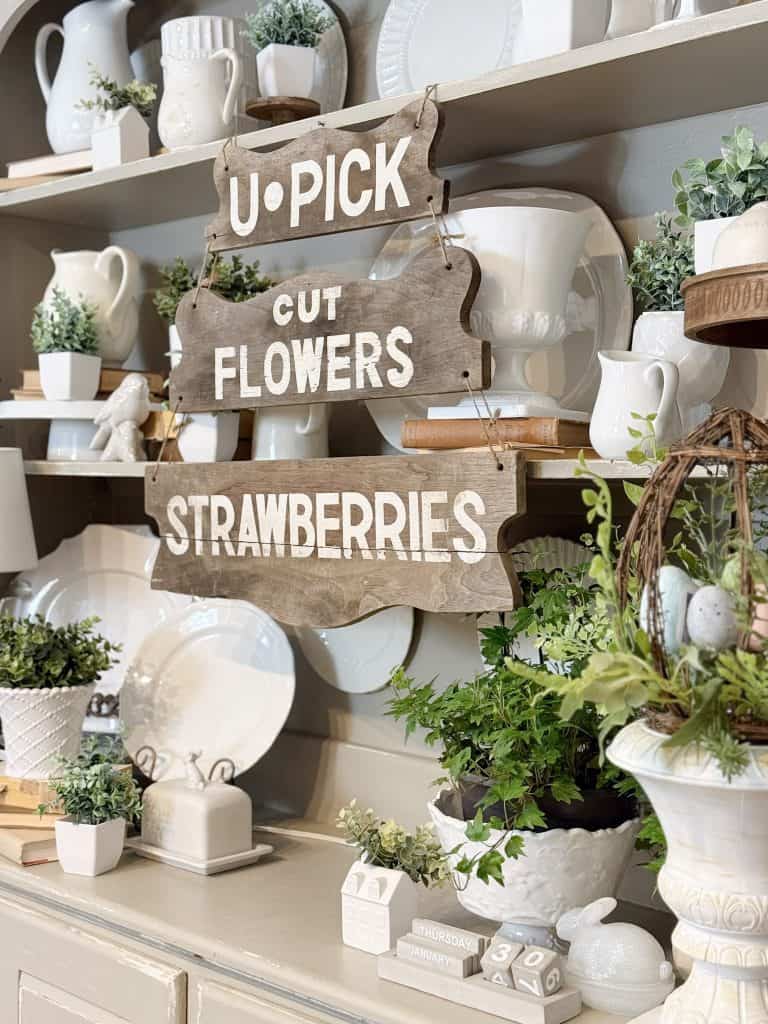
[{"x": 17, "y": 536}]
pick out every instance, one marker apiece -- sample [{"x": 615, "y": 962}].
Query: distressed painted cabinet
[
  {"x": 213, "y": 1003},
  {"x": 57, "y": 973}
]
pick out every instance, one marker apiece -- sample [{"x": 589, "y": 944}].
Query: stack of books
[
  {"x": 537, "y": 437},
  {"x": 111, "y": 379},
  {"x": 26, "y": 836}
]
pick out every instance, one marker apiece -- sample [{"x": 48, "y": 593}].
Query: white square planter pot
[
  {"x": 89, "y": 849},
  {"x": 69, "y": 376},
  {"x": 378, "y": 906},
  {"x": 286, "y": 70},
  {"x": 562, "y": 25}
]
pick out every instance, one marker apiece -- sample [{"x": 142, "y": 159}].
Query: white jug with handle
[
  {"x": 291, "y": 432},
  {"x": 110, "y": 280},
  {"x": 633, "y": 383},
  {"x": 95, "y": 38},
  {"x": 197, "y": 106}
]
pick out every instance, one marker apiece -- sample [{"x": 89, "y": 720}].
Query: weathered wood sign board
[
  {"x": 328, "y": 541},
  {"x": 329, "y": 180},
  {"x": 314, "y": 339}
]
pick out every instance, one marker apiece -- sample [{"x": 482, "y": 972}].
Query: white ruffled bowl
[{"x": 559, "y": 869}]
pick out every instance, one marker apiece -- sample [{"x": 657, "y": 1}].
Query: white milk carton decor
[
  {"x": 119, "y": 137},
  {"x": 377, "y": 907}
]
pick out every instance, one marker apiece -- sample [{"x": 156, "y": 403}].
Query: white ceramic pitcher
[
  {"x": 291, "y": 432},
  {"x": 633, "y": 383},
  {"x": 197, "y": 105},
  {"x": 109, "y": 280},
  {"x": 94, "y": 37}
]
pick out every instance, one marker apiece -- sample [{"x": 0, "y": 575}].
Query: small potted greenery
[
  {"x": 66, "y": 340},
  {"x": 285, "y": 34},
  {"x": 709, "y": 195},
  {"x": 206, "y": 437},
  {"x": 98, "y": 801},
  {"x": 379, "y": 895},
  {"x": 120, "y": 129},
  {"x": 656, "y": 272},
  {"x": 532, "y": 823},
  {"x": 47, "y": 678}
]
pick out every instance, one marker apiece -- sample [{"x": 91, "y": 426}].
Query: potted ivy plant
[
  {"x": 47, "y": 678},
  {"x": 532, "y": 824},
  {"x": 656, "y": 272},
  {"x": 379, "y": 895},
  {"x": 98, "y": 800},
  {"x": 206, "y": 437},
  {"x": 709, "y": 195},
  {"x": 66, "y": 340},
  {"x": 285, "y": 34}
]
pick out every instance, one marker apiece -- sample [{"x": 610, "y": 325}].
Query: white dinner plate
[
  {"x": 422, "y": 42},
  {"x": 599, "y": 306},
  {"x": 217, "y": 679},
  {"x": 359, "y": 658},
  {"x": 105, "y": 571}
]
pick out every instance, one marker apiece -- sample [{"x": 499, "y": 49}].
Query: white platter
[
  {"x": 599, "y": 306},
  {"x": 104, "y": 571},
  {"x": 218, "y": 678},
  {"x": 360, "y": 658},
  {"x": 200, "y": 867},
  {"x": 430, "y": 41},
  {"x": 330, "y": 86}
]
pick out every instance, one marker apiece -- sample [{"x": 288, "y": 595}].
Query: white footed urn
[
  {"x": 110, "y": 281},
  {"x": 715, "y": 878}
]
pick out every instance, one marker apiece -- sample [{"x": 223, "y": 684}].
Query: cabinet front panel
[
  {"x": 219, "y": 1004},
  {"x": 43, "y": 960}
]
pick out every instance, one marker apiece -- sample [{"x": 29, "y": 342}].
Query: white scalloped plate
[
  {"x": 218, "y": 678},
  {"x": 426, "y": 41},
  {"x": 599, "y": 305},
  {"x": 330, "y": 88}
]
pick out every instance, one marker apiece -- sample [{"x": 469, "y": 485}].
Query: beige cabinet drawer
[
  {"x": 219, "y": 1004},
  {"x": 52, "y": 972}
]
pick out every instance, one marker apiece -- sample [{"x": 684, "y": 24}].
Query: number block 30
[
  {"x": 537, "y": 971},
  {"x": 497, "y": 962}
]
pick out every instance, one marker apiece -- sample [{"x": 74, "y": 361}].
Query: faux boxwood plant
[
  {"x": 288, "y": 22},
  {"x": 234, "y": 280},
  {"x": 94, "y": 794},
  {"x": 34, "y": 655},
  {"x": 726, "y": 186},
  {"x": 63, "y": 325},
  {"x": 659, "y": 267},
  {"x": 112, "y": 96}
]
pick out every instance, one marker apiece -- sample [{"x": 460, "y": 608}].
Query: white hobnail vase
[
  {"x": 559, "y": 869},
  {"x": 89, "y": 849},
  {"x": 40, "y": 727},
  {"x": 715, "y": 878}
]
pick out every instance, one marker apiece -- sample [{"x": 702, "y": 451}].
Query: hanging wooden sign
[
  {"x": 316, "y": 339},
  {"x": 330, "y": 180},
  {"x": 328, "y": 541}
]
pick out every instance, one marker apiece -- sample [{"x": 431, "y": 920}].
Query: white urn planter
[
  {"x": 715, "y": 878},
  {"x": 286, "y": 70},
  {"x": 705, "y": 236},
  {"x": 89, "y": 849},
  {"x": 559, "y": 870},
  {"x": 377, "y": 907},
  {"x": 701, "y": 368},
  {"x": 208, "y": 437},
  {"x": 40, "y": 727},
  {"x": 69, "y": 376}
]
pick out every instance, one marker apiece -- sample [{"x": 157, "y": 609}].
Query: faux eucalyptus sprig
[
  {"x": 63, "y": 325},
  {"x": 388, "y": 845},
  {"x": 289, "y": 22},
  {"x": 234, "y": 280},
  {"x": 36, "y": 655},
  {"x": 112, "y": 96},
  {"x": 659, "y": 267},
  {"x": 726, "y": 186}
]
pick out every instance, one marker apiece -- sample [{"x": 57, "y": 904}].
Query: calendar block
[
  {"x": 537, "y": 971},
  {"x": 497, "y": 961},
  {"x": 438, "y": 958}
]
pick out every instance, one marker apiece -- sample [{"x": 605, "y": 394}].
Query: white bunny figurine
[
  {"x": 118, "y": 437},
  {"x": 618, "y": 968}
]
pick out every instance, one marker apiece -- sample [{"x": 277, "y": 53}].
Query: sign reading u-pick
[
  {"x": 329, "y": 180},
  {"x": 328, "y": 541},
  {"x": 317, "y": 339}
]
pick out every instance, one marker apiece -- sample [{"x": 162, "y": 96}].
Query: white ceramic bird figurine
[{"x": 118, "y": 437}]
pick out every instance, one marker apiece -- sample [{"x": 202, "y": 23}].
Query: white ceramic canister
[
  {"x": 199, "y": 98},
  {"x": 94, "y": 37},
  {"x": 291, "y": 432}
]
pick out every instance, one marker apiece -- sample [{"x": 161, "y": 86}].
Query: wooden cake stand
[
  {"x": 728, "y": 307},
  {"x": 282, "y": 109}
]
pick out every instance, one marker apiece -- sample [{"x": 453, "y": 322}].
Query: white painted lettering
[
  {"x": 431, "y": 526},
  {"x": 308, "y": 363},
  {"x": 277, "y": 385},
  {"x": 400, "y": 378},
  {"x": 300, "y": 520},
  {"x": 222, "y": 522},
  {"x": 365, "y": 363},
  {"x": 271, "y": 511},
  {"x": 243, "y": 228},
  {"x": 176, "y": 507},
  {"x": 354, "y": 208},
  {"x": 248, "y": 536},
  {"x": 303, "y": 197},
  {"x": 326, "y": 524},
  {"x": 356, "y": 531},
  {"x": 308, "y": 315},
  {"x": 388, "y": 175},
  {"x": 246, "y": 390},
  {"x": 336, "y": 363},
  {"x": 389, "y": 531},
  {"x": 222, "y": 372},
  {"x": 282, "y": 310},
  {"x": 462, "y": 501}
]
